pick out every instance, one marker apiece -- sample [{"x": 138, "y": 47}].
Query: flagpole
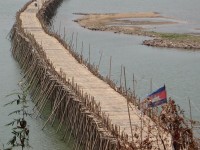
[{"x": 127, "y": 105}]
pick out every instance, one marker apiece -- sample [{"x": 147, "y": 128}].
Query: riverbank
[{"x": 135, "y": 24}]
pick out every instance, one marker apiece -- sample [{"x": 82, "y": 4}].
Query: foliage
[
  {"x": 175, "y": 37},
  {"x": 173, "y": 120},
  {"x": 20, "y": 129}
]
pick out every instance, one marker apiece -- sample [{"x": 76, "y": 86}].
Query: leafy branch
[{"x": 20, "y": 130}]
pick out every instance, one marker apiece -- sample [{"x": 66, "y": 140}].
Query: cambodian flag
[{"x": 158, "y": 97}]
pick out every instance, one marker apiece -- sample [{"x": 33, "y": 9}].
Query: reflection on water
[
  {"x": 10, "y": 75},
  {"x": 178, "y": 69}
]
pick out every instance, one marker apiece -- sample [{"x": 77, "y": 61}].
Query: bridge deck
[{"x": 111, "y": 101}]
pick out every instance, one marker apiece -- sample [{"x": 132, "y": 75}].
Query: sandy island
[{"x": 133, "y": 23}]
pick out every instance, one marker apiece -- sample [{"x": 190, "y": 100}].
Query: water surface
[
  {"x": 176, "y": 68},
  {"x": 10, "y": 76}
]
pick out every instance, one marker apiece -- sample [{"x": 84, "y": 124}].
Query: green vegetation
[
  {"x": 20, "y": 129},
  {"x": 176, "y": 36},
  {"x": 179, "y": 37}
]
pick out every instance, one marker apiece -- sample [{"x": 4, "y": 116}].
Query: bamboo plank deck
[{"x": 114, "y": 104}]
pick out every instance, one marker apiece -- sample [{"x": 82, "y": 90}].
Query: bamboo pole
[
  {"x": 76, "y": 112},
  {"x": 84, "y": 130},
  {"x": 52, "y": 113},
  {"x": 94, "y": 141},
  {"x": 76, "y": 41},
  {"x": 128, "y": 105},
  {"x": 59, "y": 28},
  {"x": 99, "y": 60},
  {"x": 190, "y": 113},
  {"x": 141, "y": 129},
  {"x": 64, "y": 38},
  {"x": 109, "y": 77},
  {"x": 46, "y": 98},
  {"x": 89, "y": 55},
  {"x": 133, "y": 86},
  {"x": 121, "y": 78},
  {"x": 62, "y": 119},
  {"x": 82, "y": 52}
]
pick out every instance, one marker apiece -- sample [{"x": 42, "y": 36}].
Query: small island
[{"x": 133, "y": 24}]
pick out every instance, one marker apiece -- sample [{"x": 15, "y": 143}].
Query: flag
[{"x": 158, "y": 97}]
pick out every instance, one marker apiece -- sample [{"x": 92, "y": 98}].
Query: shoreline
[{"x": 133, "y": 24}]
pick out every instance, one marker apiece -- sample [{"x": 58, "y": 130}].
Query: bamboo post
[
  {"x": 45, "y": 100},
  {"x": 150, "y": 90},
  {"x": 128, "y": 105},
  {"x": 190, "y": 113},
  {"x": 106, "y": 146},
  {"x": 100, "y": 148},
  {"x": 82, "y": 52},
  {"x": 84, "y": 130},
  {"x": 59, "y": 28},
  {"x": 95, "y": 140},
  {"x": 141, "y": 129},
  {"x": 74, "y": 121},
  {"x": 133, "y": 86},
  {"x": 110, "y": 69},
  {"x": 89, "y": 56},
  {"x": 53, "y": 111},
  {"x": 71, "y": 41},
  {"x": 121, "y": 78},
  {"x": 64, "y": 34},
  {"x": 62, "y": 119},
  {"x": 99, "y": 60},
  {"x": 79, "y": 129}
]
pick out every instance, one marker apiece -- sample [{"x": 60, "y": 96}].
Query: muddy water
[
  {"x": 178, "y": 69},
  {"x": 9, "y": 77}
]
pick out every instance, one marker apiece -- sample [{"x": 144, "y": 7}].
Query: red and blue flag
[{"x": 158, "y": 97}]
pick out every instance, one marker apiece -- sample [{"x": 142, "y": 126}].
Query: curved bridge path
[{"x": 111, "y": 101}]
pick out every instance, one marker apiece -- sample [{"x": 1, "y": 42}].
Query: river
[
  {"x": 10, "y": 76},
  {"x": 178, "y": 69}
]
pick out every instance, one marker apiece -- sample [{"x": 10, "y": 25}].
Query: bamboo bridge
[
  {"x": 111, "y": 101},
  {"x": 98, "y": 116}
]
